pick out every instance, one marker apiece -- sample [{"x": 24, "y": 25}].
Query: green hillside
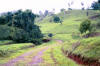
[
  {"x": 68, "y": 32},
  {"x": 65, "y": 36},
  {"x": 70, "y": 25}
]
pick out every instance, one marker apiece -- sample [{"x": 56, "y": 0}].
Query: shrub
[
  {"x": 4, "y": 53},
  {"x": 96, "y": 5},
  {"x": 56, "y": 19},
  {"x": 92, "y": 28},
  {"x": 86, "y": 26},
  {"x": 37, "y": 41},
  {"x": 23, "y": 24},
  {"x": 50, "y": 34},
  {"x": 98, "y": 25},
  {"x": 19, "y": 35},
  {"x": 2, "y": 20},
  {"x": 5, "y": 32}
]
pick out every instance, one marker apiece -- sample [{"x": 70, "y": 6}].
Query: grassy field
[
  {"x": 67, "y": 32},
  {"x": 69, "y": 29},
  {"x": 8, "y": 52},
  {"x": 3, "y": 42},
  {"x": 89, "y": 47},
  {"x": 55, "y": 57}
]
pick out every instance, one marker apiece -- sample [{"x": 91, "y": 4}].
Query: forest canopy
[{"x": 20, "y": 27}]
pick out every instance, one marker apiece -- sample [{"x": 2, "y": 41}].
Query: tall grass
[{"x": 6, "y": 50}]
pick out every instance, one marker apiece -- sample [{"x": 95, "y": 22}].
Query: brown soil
[
  {"x": 81, "y": 60},
  {"x": 92, "y": 35},
  {"x": 94, "y": 17},
  {"x": 46, "y": 40}
]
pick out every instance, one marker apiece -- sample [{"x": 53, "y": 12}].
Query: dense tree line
[
  {"x": 19, "y": 26},
  {"x": 96, "y": 5}
]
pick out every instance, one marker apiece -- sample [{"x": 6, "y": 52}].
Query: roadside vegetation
[{"x": 54, "y": 38}]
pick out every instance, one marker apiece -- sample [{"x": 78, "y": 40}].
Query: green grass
[
  {"x": 89, "y": 47},
  {"x": 64, "y": 31},
  {"x": 6, "y": 50},
  {"x": 61, "y": 60},
  {"x": 14, "y": 55},
  {"x": 69, "y": 33},
  {"x": 2, "y": 42},
  {"x": 70, "y": 25}
]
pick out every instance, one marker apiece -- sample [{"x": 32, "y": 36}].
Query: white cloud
[{"x": 36, "y": 5}]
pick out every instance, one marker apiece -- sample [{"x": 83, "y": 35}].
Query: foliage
[
  {"x": 50, "y": 34},
  {"x": 85, "y": 26},
  {"x": 23, "y": 27},
  {"x": 5, "y": 32},
  {"x": 88, "y": 47},
  {"x": 57, "y": 19},
  {"x": 6, "y": 50},
  {"x": 2, "y": 20},
  {"x": 98, "y": 25},
  {"x": 55, "y": 52},
  {"x": 19, "y": 35},
  {"x": 46, "y": 12},
  {"x": 96, "y": 5},
  {"x": 5, "y": 42},
  {"x": 5, "y": 18},
  {"x": 3, "y": 53},
  {"x": 69, "y": 8},
  {"x": 62, "y": 10},
  {"x": 93, "y": 45}
]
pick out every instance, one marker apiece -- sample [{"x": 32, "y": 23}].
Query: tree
[
  {"x": 62, "y": 10},
  {"x": 57, "y": 19},
  {"x": 69, "y": 4},
  {"x": 25, "y": 20},
  {"x": 19, "y": 35},
  {"x": 41, "y": 15},
  {"x": 87, "y": 12},
  {"x": 50, "y": 34},
  {"x": 82, "y": 5},
  {"x": 23, "y": 27},
  {"x": 5, "y": 32},
  {"x": 46, "y": 12},
  {"x": 2, "y": 20},
  {"x": 96, "y": 5},
  {"x": 85, "y": 26}
]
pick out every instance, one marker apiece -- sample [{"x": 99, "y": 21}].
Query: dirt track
[{"x": 30, "y": 58}]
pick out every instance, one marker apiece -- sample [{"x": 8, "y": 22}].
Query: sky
[{"x": 37, "y": 5}]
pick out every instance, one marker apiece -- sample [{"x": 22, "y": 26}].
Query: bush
[
  {"x": 50, "y": 34},
  {"x": 96, "y": 5},
  {"x": 86, "y": 26},
  {"x": 2, "y": 20},
  {"x": 5, "y": 32},
  {"x": 22, "y": 24},
  {"x": 19, "y": 35},
  {"x": 56, "y": 19},
  {"x": 4, "y": 53},
  {"x": 98, "y": 25},
  {"x": 37, "y": 41}
]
